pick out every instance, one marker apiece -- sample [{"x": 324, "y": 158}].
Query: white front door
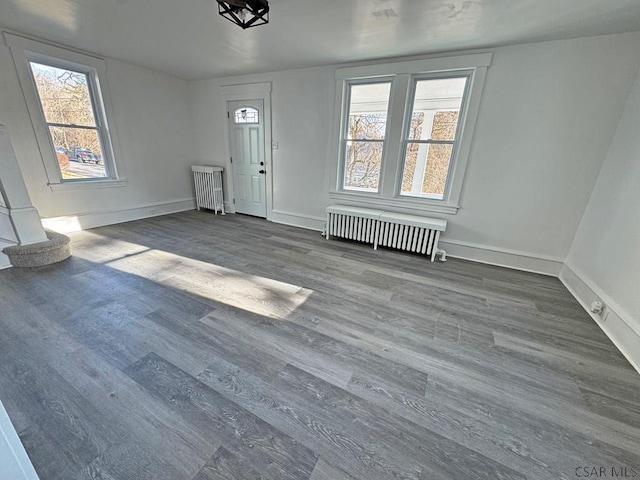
[{"x": 246, "y": 127}]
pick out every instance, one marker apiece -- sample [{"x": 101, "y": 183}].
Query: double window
[{"x": 404, "y": 136}]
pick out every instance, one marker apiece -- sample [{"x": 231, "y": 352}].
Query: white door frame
[{"x": 250, "y": 91}]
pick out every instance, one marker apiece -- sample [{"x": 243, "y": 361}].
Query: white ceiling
[{"x": 188, "y": 39}]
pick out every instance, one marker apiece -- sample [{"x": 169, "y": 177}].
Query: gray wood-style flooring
[{"x": 195, "y": 346}]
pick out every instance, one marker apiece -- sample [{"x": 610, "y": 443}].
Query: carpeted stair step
[{"x": 54, "y": 250}]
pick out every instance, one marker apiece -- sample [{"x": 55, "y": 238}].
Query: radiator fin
[{"x": 399, "y": 231}]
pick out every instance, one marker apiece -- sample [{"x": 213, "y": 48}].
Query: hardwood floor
[{"x": 203, "y": 347}]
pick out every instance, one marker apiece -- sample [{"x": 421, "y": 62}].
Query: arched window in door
[{"x": 246, "y": 115}]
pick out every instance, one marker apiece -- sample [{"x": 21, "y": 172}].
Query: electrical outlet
[{"x": 597, "y": 307}]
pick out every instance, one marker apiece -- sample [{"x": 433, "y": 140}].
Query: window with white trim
[
  {"x": 364, "y": 138},
  {"x": 405, "y": 130},
  {"x": 430, "y": 135},
  {"x": 68, "y": 103},
  {"x": 69, "y": 109}
]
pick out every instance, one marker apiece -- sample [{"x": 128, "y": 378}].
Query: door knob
[{"x": 262, "y": 171}]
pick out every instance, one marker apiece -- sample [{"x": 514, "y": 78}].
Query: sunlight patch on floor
[
  {"x": 257, "y": 294},
  {"x": 99, "y": 249}
]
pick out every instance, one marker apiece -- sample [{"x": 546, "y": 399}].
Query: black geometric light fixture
[{"x": 245, "y": 13}]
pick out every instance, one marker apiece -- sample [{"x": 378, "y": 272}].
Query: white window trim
[
  {"x": 344, "y": 128},
  {"x": 404, "y": 74},
  {"x": 25, "y": 50}
]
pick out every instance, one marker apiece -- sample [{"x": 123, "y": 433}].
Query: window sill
[
  {"x": 79, "y": 186},
  {"x": 414, "y": 204}
]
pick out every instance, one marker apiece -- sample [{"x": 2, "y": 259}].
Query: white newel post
[{"x": 24, "y": 217}]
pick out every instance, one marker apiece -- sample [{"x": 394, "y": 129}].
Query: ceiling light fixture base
[{"x": 245, "y": 13}]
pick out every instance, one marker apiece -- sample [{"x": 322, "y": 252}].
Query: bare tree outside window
[
  {"x": 417, "y": 119},
  {"x": 365, "y": 138},
  {"x": 444, "y": 127},
  {"x": 68, "y": 110},
  {"x": 438, "y": 156},
  {"x": 431, "y": 136},
  {"x": 365, "y": 157},
  {"x": 401, "y": 141}
]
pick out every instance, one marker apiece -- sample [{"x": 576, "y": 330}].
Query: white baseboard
[
  {"x": 74, "y": 223},
  {"x": 525, "y": 261},
  {"x": 4, "y": 260},
  {"x": 528, "y": 262},
  {"x": 621, "y": 328},
  {"x": 14, "y": 462},
  {"x": 298, "y": 220},
  {"x": 618, "y": 326}
]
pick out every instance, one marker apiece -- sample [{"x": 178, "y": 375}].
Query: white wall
[
  {"x": 548, "y": 113},
  {"x": 152, "y": 123},
  {"x": 606, "y": 252},
  {"x": 302, "y": 116},
  {"x": 547, "y": 117}
]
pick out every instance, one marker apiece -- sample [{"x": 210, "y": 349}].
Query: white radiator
[
  {"x": 394, "y": 230},
  {"x": 354, "y": 223},
  {"x": 208, "y": 183}
]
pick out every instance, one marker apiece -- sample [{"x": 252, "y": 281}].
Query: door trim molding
[{"x": 250, "y": 91}]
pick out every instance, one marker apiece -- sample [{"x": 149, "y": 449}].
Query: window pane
[
  {"x": 362, "y": 168},
  {"x": 445, "y": 124},
  {"x": 426, "y": 167},
  {"x": 367, "y": 126},
  {"x": 436, "y": 107},
  {"x": 246, "y": 115},
  {"x": 64, "y": 95},
  {"x": 79, "y": 152},
  {"x": 368, "y": 111}
]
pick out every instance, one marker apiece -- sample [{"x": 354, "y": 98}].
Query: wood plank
[
  {"x": 272, "y": 452},
  {"x": 494, "y": 430},
  {"x": 326, "y": 471},
  {"x": 439, "y": 456},
  {"x": 614, "y": 408},
  {"x": 59, "y": 415},
  {"x": 354, "y": 357},
  {"x": 296, "y": 342},
  {"x": 328, "y": 437},
  {"x": 224, "y": 465},
  {"x": 125, "y": 405}
]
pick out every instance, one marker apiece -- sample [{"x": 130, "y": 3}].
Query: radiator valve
[{"x": 443, "y": 255}]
